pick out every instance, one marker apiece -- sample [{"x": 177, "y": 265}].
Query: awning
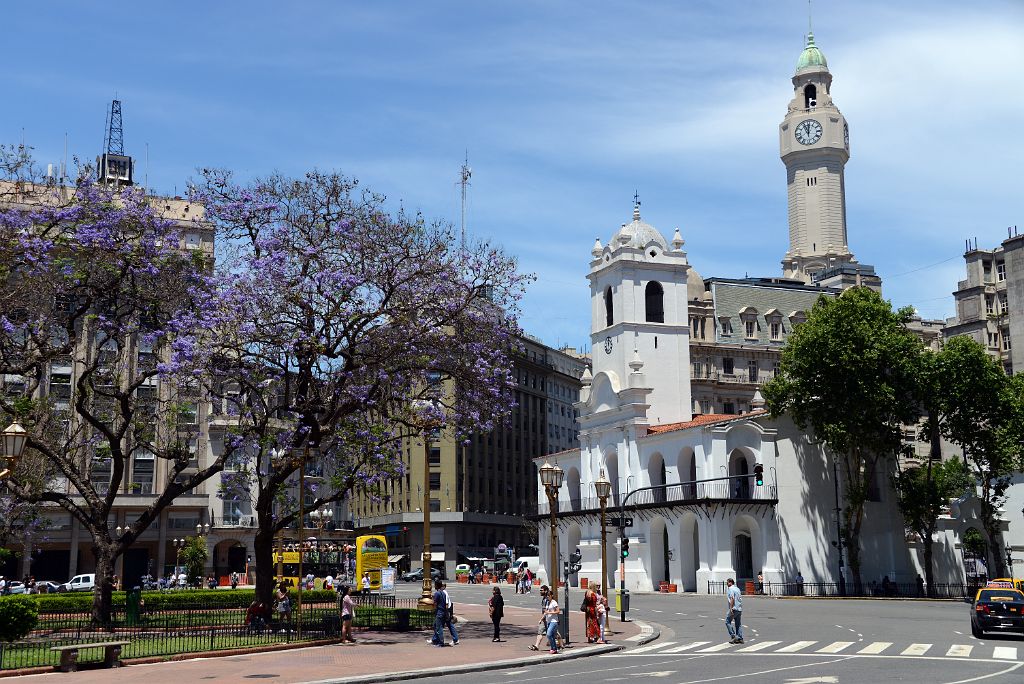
[{"x": 396, "y": 558}]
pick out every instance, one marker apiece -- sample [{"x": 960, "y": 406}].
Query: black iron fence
[
  {"x": 738, "y": 490},
  {"x": 195, "y": 628},
  {"x": 959, "y": 591}
]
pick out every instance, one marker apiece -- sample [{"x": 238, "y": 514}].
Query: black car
[
  {"x": 997, "y": 610},
  {"x": 417, "y": 575}
]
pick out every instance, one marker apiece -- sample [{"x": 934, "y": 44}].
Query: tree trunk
[
  {"x": 263, "y": 551},
  {"x": 101, "y": 597},
  {"x": 929, "y": 571}
]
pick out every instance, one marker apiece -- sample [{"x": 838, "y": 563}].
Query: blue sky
[{"x": 565, "y": 110}]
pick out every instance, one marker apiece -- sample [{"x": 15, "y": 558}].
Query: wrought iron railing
[
  {"x": 873, "y": 589},
  {"x": 730, "y": 491}
]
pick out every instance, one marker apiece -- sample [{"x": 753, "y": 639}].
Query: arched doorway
[
  {"x": 739, "y": 466},
  {"x": 975, "y": 552},
  {"x": 658, "y": 552},
  {"x": 656, "y": 473},
  {"x": 743, "y": 556},
  {"x": 689, "y": 549},
  {"x": 612, "y": 470},
  {"x": 572, "y": 481}
]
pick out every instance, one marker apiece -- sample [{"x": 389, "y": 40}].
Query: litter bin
[
  {"x": 622, "y": 600},
  {"x": 402, "y": 620},
  {"x": 332, "y": 624}
]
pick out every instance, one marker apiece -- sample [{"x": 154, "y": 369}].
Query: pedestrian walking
[
  {"x": 735, "y": 614},
  {"x": 365, "y": 582},
  {"x": 440, "y": 614},
  {"x": 496, "y": 609},
  {"x": 542, "y": 624},
  {"x": 602, "y": 613},
  {"x": 283, "y": 606},
  {"x": 593, "y": 628},
  {"x": 348, "y": 614},
  {"x": 449, "y": 620},
  {"x": 551, "y": 612}
]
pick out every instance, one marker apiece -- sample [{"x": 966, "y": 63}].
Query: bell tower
[{"x": 814, "y": 143}]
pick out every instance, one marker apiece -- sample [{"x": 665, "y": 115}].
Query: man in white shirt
[
  {"x": 735, "y": 614},
  {"x": 365, "y": 583}
]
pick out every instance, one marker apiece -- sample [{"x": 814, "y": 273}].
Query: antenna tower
[
  {"x": 114, "y": 143},
  {"x": 466, "y": 174}
]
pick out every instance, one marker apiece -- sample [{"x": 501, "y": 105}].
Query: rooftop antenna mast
[
  {"x": 113, "y": 166},
  {"x": 465, "y": 174},
  {"x": 114, "y": 142}
]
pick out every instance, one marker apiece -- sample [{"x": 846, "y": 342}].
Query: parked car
[
  {"x": 80, "y": 583},
  {"x": 997, "y": 610},
  {"x": 417, "y": 575},
  {"x": 47, "y": 587},
  {"x": 15, "y": 587}
]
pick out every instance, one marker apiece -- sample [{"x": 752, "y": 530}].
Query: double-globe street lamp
[
  {"x": 13, "y": 446},
  {"x": 551, "y": 477}
]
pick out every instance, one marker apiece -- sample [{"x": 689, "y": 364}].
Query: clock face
[
  {"x": 846, "y": 135},
  {"x": 808, "y": 132},
  {"x": 607, "y": 345}
]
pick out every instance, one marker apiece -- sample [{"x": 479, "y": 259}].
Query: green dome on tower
[{"x": 811, "y": 57}]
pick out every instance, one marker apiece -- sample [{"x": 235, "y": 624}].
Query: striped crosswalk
[{"x": 838, "y": 648}]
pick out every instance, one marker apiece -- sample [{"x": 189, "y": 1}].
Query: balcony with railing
[{"x": 684, "y": 494}]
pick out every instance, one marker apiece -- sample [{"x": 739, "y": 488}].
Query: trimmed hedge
[
  {"x": 18, "y": 616},
  {"x": 81, "y": 602}
]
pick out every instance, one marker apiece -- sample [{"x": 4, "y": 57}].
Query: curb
[{"x": 473, "y": 667}]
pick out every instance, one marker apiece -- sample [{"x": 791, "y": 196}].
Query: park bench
[{"x": 69, "y": 654}]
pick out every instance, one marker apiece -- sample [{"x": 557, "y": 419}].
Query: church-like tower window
[
  {"x": 810, "y": 96},
  {"x": 654, "y": 297},
  {"x": 608, "y": 306}
]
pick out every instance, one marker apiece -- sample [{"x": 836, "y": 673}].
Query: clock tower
[
  {"x": 814, "y": 143},
  {"x": 640, "y": 330}
]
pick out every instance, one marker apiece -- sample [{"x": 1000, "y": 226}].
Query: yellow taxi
[
  {"x": 997, "y": 609},
  {"x": 1005, "y": 583}
]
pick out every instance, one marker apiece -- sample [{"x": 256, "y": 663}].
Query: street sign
[{"x": 622, "y": 521}]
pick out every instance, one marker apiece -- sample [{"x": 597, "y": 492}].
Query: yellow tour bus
[{"x": 371, "y": 557}]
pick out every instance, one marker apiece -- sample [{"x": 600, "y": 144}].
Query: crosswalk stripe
[
  {"x": 652, "y": 647},
  {"x": 759, "y": 646},
  {"x": 916, "y": 649},
  {"x": 959, "y": 651},
  {"x": 716, "y": 647},
  {"x": 875, "y": 648},
  {"x": 798, "y": 646},
  {"x": 835, "y": 647},
  {"x": 1004, "y": 653},
  {"x": 685, "y": 647}
]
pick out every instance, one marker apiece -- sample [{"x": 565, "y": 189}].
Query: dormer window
[
  {"x": 726, "y": 324},
  {"x": 608, "y": 306},
  {"x": 654, "y": 300},
  {"x": 748, "y": 315}
]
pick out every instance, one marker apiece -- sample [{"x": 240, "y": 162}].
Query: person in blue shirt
[
  {"x": 440, "y": 613},
  {"x": 735, "y": 614}
]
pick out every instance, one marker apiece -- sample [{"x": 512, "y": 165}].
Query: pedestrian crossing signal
[{"x": 759, "y": 474}]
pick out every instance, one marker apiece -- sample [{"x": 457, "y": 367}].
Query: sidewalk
[{"x": 378, "y": 656}]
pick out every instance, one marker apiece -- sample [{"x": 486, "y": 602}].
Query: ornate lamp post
[
  {"x": 320, "y": 518},
  {"x": 13, "y": 446},
  {"x": 179, "y": 544},
  {"x": 604, "y": 489},
  {"x": 427, "y": 424},
  {"x": 551, "y": 477}
]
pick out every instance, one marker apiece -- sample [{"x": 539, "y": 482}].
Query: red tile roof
[{"x": 699, "y": 421}]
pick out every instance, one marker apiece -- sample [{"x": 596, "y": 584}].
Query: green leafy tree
[
  {"x": 981, "y": 413},
  {"x": 923, "y": 493},
  {"x": 850, "y": 374},
  {"x": 194, "y": 556}
]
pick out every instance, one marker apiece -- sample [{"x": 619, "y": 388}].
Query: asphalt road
[{"x": 788, "y": 641}]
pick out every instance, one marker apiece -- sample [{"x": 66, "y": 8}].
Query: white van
[
  {"x": 532, "y": 562},
  {"x": 80, "y": 583}
]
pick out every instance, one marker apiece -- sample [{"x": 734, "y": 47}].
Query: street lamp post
[
  {"x": 551, "y": 477},
  {"x": 13, "y": 446},
  {"x": 320, "y": 518},
  {"x": 179, "y": 544},
  {"x": 427, "y": 424},
  {"x": 604, "y": 489}
]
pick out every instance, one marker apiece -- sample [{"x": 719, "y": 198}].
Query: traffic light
[
  {"x": 759, "y": 474},
  {"x": 624, "y": 545}
]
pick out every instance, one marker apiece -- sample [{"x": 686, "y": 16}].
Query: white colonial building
[{"x": 641, "y": 427}]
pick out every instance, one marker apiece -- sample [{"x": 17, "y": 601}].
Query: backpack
[{"x": 450, "y": 606}]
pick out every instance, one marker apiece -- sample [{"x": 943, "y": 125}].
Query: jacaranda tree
[
  {"x": 350, "y": 315},
  {"x": 95, "y": 281}
]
